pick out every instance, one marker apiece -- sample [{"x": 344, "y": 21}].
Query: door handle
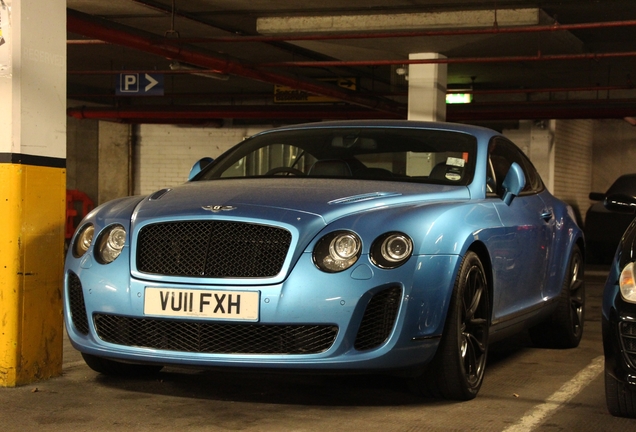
[{"x": 546, "y": 215}]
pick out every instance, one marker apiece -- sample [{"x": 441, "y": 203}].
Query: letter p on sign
[{"x": 129, "y": 83}]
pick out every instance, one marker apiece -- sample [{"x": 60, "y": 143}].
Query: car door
[{"x": 521, "y": 258}]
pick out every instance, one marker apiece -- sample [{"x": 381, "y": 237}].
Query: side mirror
[
  {"x": 620, "y": 203},
  {"x": 198, "y": 166},
  {"x": 513, "y": 183},
  {"x": 597, "y": 196}
]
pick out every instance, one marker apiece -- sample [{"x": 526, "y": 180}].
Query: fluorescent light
[{"x": 179, "y": 66}]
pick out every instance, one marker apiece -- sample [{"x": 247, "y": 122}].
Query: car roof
[{"x": 458, "y": 127}]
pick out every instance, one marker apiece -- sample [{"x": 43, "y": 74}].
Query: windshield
[{"x": 396, "y": 154}]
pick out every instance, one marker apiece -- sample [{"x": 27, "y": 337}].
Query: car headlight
[
  {"x": 627, "y": 283},
  {"x": 391, "y": 250},
  {"x": 337, "y": 251},
  {"x": 83, "y": 240},
  {"x": 110, "y": 243}
]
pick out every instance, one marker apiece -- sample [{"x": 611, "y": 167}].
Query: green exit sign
[{"x": 459, "y": 98}]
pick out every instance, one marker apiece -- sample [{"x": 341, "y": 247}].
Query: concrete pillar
[
  {"x": 427, "y": 89},
  {"x": 114, "y": 161},
  {"x": 32, "y": 188},
  {"x": 82, "y": 156}
]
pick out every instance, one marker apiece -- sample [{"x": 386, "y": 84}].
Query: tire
[
  {"x": 110, "y": 367},
  {"x": 621, "y": 400},
  {"x": 565, "y": 328},
  {"x": 457, "y": 370}
]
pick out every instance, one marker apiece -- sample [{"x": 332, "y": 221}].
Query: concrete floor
[{"x": 518, "y": 394}]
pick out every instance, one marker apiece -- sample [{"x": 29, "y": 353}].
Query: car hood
[
  {"x": 280, "y": 199},
  {"x": 304, "y": 207}
]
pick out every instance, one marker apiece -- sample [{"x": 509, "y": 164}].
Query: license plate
[{"x": 232, "y": 305}]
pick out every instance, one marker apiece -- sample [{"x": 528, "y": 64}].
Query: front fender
[
  {"x": 435, "y": 228},
  {"x": 118, "y": 211}
]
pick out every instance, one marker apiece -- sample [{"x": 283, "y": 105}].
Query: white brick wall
[
  {"x": 165, "y": 153},
  {"x": 614, "y": 152},
  {"x": 573, "y": 162}
]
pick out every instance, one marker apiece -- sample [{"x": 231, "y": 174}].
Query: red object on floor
[{"x": 78, "y": 205}]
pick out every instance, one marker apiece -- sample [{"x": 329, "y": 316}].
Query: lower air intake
[{"x": 201, "y": 337}]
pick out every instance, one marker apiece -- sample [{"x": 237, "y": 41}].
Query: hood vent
[
  {"x": 364, "y": 197},
  {"x": 157, "y": 195}
]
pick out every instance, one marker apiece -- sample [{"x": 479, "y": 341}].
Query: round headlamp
[
  {"x": 391, "y": 250},
  {"x": 337, "y": 251},
  {"x": 627, "y": 283},
  {"x": 110, "y": 243},
  {"x": 83, "y": 240}
]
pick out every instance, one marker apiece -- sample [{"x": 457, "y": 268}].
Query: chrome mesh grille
[
  {"x": 214, "y": 249},
  {"x": 379, "y": 319},
  {"x": 201, "y": 337},
  {"x": 76, "y": 303}
]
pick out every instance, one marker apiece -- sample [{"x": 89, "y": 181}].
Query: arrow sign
[
  {"x": 151, "y": 82},
  {"x": 134, "y": 84}
]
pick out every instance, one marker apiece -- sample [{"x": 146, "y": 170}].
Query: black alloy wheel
[{"x": 457, "y": 371}]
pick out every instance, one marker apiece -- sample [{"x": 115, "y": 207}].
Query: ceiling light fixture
[{"x": 217, "y": 76}]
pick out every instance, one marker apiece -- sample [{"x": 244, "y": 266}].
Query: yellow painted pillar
[{"x": 32, "y": 188}]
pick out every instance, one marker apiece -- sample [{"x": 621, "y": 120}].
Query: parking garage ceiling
[{"x": 258, "y": 60}]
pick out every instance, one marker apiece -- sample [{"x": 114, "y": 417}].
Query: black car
[
  {"x": 604, "y": 226},
  {"x": 619, "y": 318}
]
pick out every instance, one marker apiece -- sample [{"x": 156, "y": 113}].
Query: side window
[{"x": 501, "y": 154}]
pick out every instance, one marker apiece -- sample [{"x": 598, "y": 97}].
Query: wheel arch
[{"x": 481, "y": 250}]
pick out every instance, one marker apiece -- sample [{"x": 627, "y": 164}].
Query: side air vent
[
  {"x": 379, "y": 319},
  {"x": 627, "y": 331},
  {"x": 76, "y": 303}
]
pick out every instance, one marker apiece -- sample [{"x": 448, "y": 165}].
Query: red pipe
[
  {"x": 118, "y": 34},
  {"x": 171, "y": 112},
  {"x": 575, "y": 109}
]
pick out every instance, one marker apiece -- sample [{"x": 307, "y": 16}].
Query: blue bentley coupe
[{"x": 384, "y": 246}]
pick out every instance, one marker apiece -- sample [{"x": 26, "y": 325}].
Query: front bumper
[
  {"x": 619, "y": 336},
  {"x": 364, "y": 318}
]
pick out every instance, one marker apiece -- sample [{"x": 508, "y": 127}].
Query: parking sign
[{"x": 136, "y": 84}]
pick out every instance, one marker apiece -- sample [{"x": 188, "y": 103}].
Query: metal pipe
[
  {"x": 572, "y": 109},
  {"x": 456, "y": 60},
  {"x": 394, "y": 94},
  {"x": 115, "y": 33},
  {"x": 543, "y": 90}
]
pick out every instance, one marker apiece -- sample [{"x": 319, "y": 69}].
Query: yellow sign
[{"x": 284, "y": 94}]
